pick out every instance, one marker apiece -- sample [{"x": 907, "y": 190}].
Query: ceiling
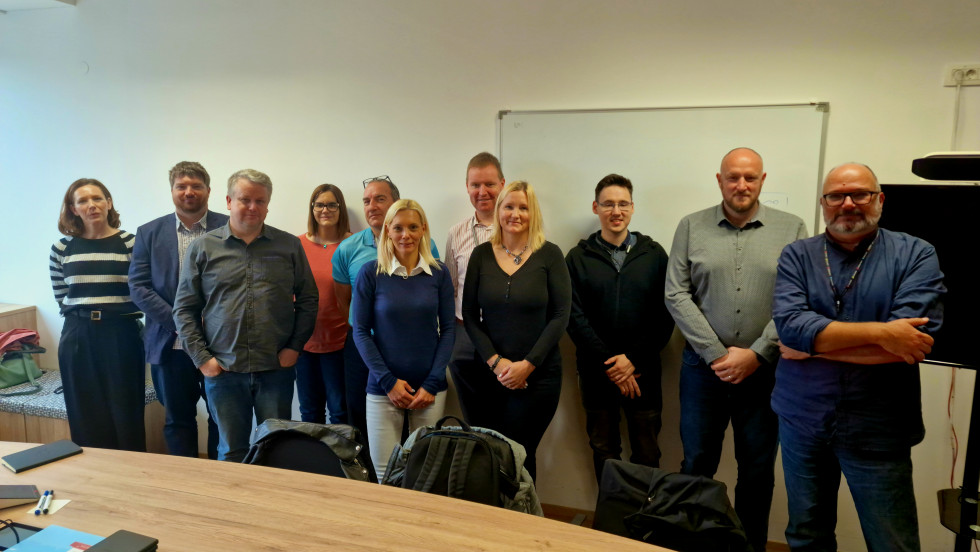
[{"x": 12, "y": 5}]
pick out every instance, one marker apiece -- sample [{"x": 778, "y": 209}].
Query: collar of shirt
[
  {"x": 203, "y": 223},
  {"x": 366, "y": 238},
  {"x": 759, "y": 219},
  {"x": 397, "y": 269},
  {"x": 862, "y": 246},
  {"x": 478, "y": 224},
  {"x": 225, "y": 232},
  {"x": 627, "y": 243}
]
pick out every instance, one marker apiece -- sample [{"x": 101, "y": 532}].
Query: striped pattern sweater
[{"x": 92, "y": 274}]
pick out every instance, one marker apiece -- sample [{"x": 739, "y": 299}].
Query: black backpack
[
  {"x": 688, "y": 513},
  {"x": 455, "y": 461},
  {"x": 333, "y": 449}
]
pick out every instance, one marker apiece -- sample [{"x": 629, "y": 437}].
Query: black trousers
[
  {"x": 104, "y": 379},
  {"x": 522, "y": 415},
  {"x": 603, "y": 403}
]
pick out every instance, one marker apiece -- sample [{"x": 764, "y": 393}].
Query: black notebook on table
[
  {"x": 125, "y": 541},
  {"x": 40, "y": 455}
]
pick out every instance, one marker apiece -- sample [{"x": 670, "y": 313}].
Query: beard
[
  {"x": 867, "y": 222},
  {"x": 743, "y": 207}
]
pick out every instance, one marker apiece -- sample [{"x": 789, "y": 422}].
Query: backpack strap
[
  {"x": 460, "y": 467},
  {"x": 434, "y": 456}
]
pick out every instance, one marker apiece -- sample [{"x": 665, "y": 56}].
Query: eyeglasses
[
  {"x": 609, "y": 206},
  {"x": 382, "y": 178},
  {"x": 858, "y": 198},
  {"x": 332, "y": 206}
]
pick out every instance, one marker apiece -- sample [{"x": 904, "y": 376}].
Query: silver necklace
[{"x": 518, "y": 257}]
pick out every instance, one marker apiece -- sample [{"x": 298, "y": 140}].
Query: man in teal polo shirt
[{"x": 353, "y": 253}]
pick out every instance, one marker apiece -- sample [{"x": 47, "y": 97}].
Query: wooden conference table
[{"x": 192, "y": 504}]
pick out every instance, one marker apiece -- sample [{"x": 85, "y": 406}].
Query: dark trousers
[
  {"x": 707, "y": 405},
  {"x": 522, "y": 415},
  {"x": 320, "y": 386},
  {"x": 355, "y": 386},
  {"x": 179, "y": 386},
  {"x": 603, "y": 402},
  {"x": 104, "y": 379}
]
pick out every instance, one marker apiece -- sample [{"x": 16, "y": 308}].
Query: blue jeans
[
  {"x": 233, "y": 398},
  {"x": 179, "y": 386},
  {"x": 880, "y": 483},
  {"x": 320, "y": 386},
  {"x": 707, "y": 405}
]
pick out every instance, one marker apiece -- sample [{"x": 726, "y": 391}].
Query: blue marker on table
[
  {"x": 47, "y": 503},
  {"x": 40, "y": 503}
]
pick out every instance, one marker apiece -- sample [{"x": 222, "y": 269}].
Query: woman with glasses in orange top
[{"x": 320, "y": 368}]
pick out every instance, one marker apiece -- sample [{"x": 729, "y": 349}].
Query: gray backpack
[{"x": 474, "y": 464}]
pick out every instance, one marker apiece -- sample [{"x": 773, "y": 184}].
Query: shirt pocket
[{"x": 273, "y": 270}]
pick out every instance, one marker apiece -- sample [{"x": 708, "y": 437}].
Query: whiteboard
[{"x": 670, "y": 154}]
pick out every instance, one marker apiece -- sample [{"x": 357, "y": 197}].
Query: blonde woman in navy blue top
[
  {"x": 404, "y": 327},
  {"x": 101, "y": 352}
]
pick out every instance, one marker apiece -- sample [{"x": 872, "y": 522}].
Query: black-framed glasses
[
  {"x": 382, "y": 178},
  {"x": 858, "y": 198},
  {"x": 332, "y": 206}
]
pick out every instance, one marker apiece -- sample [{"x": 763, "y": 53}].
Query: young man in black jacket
[{"x": 619, "y": 324}]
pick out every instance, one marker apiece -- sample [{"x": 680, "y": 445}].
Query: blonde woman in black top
[{"x": 516, "y": 302}]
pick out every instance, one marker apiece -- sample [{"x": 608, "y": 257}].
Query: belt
[
  {"x": 99, "y": 315},
  {"x": 459, "y": 322}
]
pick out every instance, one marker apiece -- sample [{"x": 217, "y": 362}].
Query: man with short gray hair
[
  {"x": 856, "y": 309},
  {"x": 245, "y": 306}
]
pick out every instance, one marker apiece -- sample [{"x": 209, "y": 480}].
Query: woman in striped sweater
[{"x": 101, "y": 352}]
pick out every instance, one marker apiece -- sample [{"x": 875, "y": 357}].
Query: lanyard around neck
[{"x": 838, "y": 297}]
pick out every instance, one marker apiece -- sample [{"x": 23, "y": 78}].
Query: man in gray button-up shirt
[
  {"x": 720, "y": 279},
  {"x": 245, "y": 306}
]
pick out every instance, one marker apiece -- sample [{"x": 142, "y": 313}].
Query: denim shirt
[
  {"x": 872, "y": 407},
  {"x": 243, "y": 303}
]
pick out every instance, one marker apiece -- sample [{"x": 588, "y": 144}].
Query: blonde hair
[
  {"x": 386, "y": 248},
  {"x": 535, "y": 227}
]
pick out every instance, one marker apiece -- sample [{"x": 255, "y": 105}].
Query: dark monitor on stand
[{"x": 945, "y": 215}]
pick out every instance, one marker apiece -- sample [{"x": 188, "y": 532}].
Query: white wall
[{"x": 313, "y": 91}]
